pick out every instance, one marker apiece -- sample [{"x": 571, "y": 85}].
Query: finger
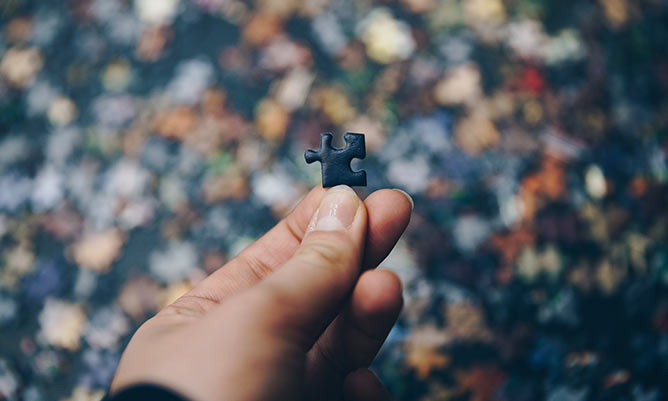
[
  {"x": 307, "y": 291},
  {"x": 388, "y": 214},
  {"x": 363, "y": 385},
  {"x": 355, "y": 337}
]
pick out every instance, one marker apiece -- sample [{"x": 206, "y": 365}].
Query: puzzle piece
[{"x": 335, "y": 163}]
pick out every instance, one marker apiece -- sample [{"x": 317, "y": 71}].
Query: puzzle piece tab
[{"x": 335, "y": 163}]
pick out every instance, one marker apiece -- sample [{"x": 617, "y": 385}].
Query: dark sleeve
[{"x": 144, "y": 392}]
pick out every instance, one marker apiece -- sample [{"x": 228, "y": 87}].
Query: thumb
[{"x": 305, "y": 294}]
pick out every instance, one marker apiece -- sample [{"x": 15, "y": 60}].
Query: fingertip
[
  {"x": 377, "y": 301},
  {"x": 378, "y": 290},
  {"x": 389, "y": 212},
  {"x": 399, "y": 203},
  {"x": 338, "y": 209},
  {"x": 407, "y": 196}
]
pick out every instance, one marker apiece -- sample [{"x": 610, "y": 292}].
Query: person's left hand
[{"x": 290, "y": 317}]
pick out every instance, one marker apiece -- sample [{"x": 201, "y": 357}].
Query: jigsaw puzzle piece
[{"x": 335, "y": 163}]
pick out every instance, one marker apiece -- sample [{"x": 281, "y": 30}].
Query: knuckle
[
  {"x": 190, "y": 305},
  {"x": 332, "y": 248},
  {"x": 273, "y": 294}
]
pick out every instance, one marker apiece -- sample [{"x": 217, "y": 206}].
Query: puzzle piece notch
[{"x": 335, "y": 163}]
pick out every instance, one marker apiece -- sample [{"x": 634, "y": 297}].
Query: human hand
[{"x": 290, "y": 317}]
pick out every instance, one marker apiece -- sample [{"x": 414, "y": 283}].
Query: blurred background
[{"x": 143, "y": 143}]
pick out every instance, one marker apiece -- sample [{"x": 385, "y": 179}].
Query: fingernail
[
  {"x": 410, "y": 199},
  {"x": 337, "y": 210}
]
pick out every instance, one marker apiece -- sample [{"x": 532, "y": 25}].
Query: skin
[{"x": 299, "y": 314}]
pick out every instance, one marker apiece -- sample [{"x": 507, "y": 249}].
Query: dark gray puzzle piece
[{"x": 335, "y": 163}]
